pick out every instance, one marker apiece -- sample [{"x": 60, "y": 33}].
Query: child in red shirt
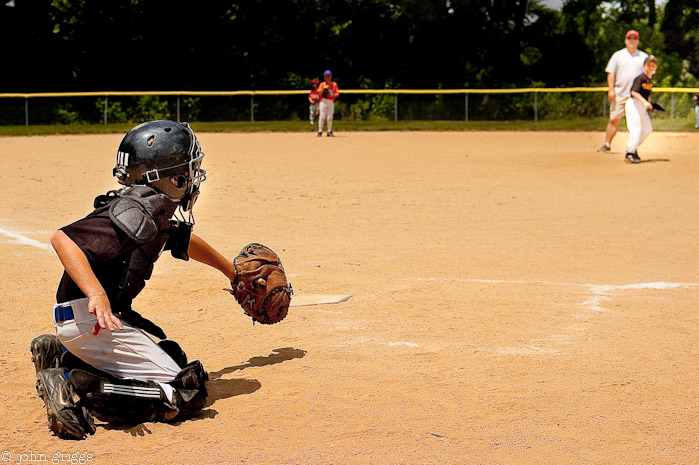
[
  {"x": 328, "y": 92},
  {"x": 313, "y": 100}
]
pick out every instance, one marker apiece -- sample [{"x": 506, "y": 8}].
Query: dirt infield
[{"x": 516, "y": 298}]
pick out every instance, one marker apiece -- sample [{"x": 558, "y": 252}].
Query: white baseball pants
[
  {"x": 327, "y": 109},
  {"x": 312, "y": 108},
  {"x": 638, "y": 123},
  {"x": 127, "y": 353}
]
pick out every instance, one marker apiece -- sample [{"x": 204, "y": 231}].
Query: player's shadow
[
  {"x": 141, "y": 429},
  {"x": 219, "y": 388},
  {"x": 645, "y": 160},
  {"x": 277, "y": 356}
]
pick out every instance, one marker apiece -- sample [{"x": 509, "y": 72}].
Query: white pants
[
  {"x": 127, "y": 353},
  {"x": 696, "y": 110},
  {"x": 312, "y": 108},
  {"x": 327, "y": 109},
  {"x": 638, "y": 123}
]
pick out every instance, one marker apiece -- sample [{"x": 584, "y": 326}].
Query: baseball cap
[
  {"x": 327, "y": 72},
  {"x": 632, "y": 33}
]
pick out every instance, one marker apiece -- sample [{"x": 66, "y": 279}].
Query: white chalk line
[
  {"x": 595, "y": 288},
  {"x": 598, "y": 294},
  {"x": 403, "y": 344},
  {"x": 16, "y": 238},
  {"x": 526, "y": 350}
]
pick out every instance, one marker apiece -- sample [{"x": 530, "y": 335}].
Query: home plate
[{"x": 317, "y": 299}]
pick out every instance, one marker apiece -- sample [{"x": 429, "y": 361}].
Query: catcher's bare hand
[{"x": 99, "y": 306}]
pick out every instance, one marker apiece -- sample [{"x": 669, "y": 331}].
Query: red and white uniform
[
  {"x": 327, "y": 104},
  {"x": 333, "y": 91},
  {"x": 313, "y": 102},
  {"x": 314, "y": 96}
]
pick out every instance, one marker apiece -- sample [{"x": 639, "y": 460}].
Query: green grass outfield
[{"x": 582, "y": 124}]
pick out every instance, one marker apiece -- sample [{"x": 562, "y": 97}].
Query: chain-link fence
[{"x": 354, "y": 104}]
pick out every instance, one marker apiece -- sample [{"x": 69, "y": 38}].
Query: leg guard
[
  {"x": 191, "y": 389},
  {"x": 127, "y": 399},
  {"x": 175, "y": 352},
  {"x": 67, "y": 416},
  {"x": 140, "y": 401}
]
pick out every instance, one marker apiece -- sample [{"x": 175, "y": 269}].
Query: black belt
[{"x": 63, "y": 313}]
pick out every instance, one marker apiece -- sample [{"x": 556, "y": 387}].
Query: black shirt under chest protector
[{"x": 122, "y": 239}]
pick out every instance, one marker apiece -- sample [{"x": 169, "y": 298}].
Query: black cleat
[
  {"x": 632, "y": 157},
  {"x": 330, "y": 134},
  {"x": 320, "y": 134},
  {"x": 605, "y": 148},
  {"x": 46, "y": 351},
  {"x": 66, "y": 418}
]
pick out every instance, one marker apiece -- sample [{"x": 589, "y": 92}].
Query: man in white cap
[{"x": 623, "y": 67}]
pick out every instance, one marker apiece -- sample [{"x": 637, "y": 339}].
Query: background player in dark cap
[
  {"x": 637, "y": 108},
  {"x": 103, "y": 360},
  {"x": 622, "y": 69}
]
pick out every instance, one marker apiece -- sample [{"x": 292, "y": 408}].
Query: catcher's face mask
[{"x": 195, "y": 174}]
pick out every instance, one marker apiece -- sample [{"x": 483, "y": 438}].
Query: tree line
[
  {"x": 137, "y": 45},
  {"x": 80, "y": 45}
]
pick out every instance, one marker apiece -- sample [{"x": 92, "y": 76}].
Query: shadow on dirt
[
  {"x": 277, "y": 356},
  {"x": 224, "y": 388},
  {"x": 218, "y": 389}
]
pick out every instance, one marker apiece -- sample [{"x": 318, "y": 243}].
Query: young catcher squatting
[{"x": 102, "y": 359}]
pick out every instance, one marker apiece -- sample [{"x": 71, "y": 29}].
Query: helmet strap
[{"x": 152, "y": 176}]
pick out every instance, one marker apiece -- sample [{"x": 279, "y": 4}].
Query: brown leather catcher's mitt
[{"x": 260, "y": 284}]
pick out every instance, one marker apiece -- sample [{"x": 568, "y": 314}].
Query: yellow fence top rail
[{"x": 342, "y": 91}]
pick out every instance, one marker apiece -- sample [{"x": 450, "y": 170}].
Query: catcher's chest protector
[{"x": 144, "y": 216}]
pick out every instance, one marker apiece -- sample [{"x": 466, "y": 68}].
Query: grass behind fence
[
  {"x": 354, "y": 107},
  {"x": 575, "y": 124}
]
